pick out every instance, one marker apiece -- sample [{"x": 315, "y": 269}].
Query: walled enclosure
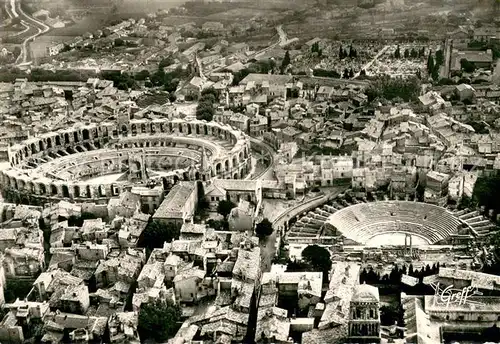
[{"x": 57, "y": 165}]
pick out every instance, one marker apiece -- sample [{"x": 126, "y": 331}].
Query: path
[
  {"x": 369, "y": 64},
  {"x": 268, "y": 245},
  {"x": 267, "y": 173}
]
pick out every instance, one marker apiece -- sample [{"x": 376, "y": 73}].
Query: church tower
[{"x": 364, "y": 315}]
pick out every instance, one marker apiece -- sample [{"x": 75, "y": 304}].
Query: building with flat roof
[{"x": 179, "y": 205}]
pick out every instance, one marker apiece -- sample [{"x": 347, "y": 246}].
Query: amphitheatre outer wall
[{"x": 54, "y": 166}]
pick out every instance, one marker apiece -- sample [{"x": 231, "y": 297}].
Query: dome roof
[{"x": 365, "y": 293}]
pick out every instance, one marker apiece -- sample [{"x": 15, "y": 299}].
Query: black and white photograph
[{"x": 250, "y": 171}]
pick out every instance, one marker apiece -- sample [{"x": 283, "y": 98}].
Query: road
[
  {"x": 267, "y": 173},
  {"x": 369, "y": 64},
  {"x": 268, "y": 245},
  {"x": 15, "y": 11}
]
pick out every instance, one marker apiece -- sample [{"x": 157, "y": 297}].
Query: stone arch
[
  {"x": 180, "y": 127},
  {"x": 65, "y": 191},
  {"x": 58, "y": 140},
  {"x": 66, "y": 138},
  {"x": 76, "y": 191},
  {"x": 134, "y": 129},
  {"x": 42, "y": 189},
  {"x": 153, "y": 128},
  {"x": 242, "y": 173},
  {"x": 20, "y": 184},
  {"x": 41, "y": 146},
  {"x": 49, "y": 143},
  {"x": 218, "y": 168},
  {"x": 205, "y": 130},
  {"x": 197, "y": 175},
  {"x": 124, "y": 130},
  {"x": 226, "y": 165},
  {"x": 143, "y": 128},
  {"x": 241, "y": 156},
  {"x": 33, "y": 148},
  {"x": 162, "y": 127},
  {"x": 86, "y": 134},
  {"x": 88, "y": 191},
  {"x": 30, "y": 187},
  {"x": 75, "y": 136},
  {"x": 106, "y": 133},
  {"x": 25, "y": 151},
  {"x": 235, "y": 161},
  {"x": 102, "y": 191},
  {"x": 197, "y": 128},
  {"x": 189, "y": 129},
  {"x": 95, "y": 133},
  {"x": 235, "y": 176},
  {"x": 79, "y": 149},
  {"x": 53, "y": 189},
  {"x": 170, "y": 127}
]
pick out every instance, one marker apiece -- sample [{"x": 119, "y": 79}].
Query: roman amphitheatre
[{"x": 98, "y": 162}]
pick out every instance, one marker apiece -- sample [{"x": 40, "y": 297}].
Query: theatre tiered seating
[
  {"x": 479, "y": 223},
  {"x": 362, "y": 221}
]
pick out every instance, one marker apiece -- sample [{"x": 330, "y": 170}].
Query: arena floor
[{"x": 395, "y": 239}]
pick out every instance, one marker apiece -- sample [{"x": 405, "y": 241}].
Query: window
[
  {"x": 479, "y": 318},
  {"x": 213, "y": 198},
  {"x": 461, "y": 318}
]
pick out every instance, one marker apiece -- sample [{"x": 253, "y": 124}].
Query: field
[{"x": 39, "y": 46}]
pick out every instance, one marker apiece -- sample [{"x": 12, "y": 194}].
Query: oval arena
[{"x": 97, "y": 162}]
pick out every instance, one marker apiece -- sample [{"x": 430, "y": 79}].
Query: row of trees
[
  {"x": 370, "y": 276},
  {"x": 434, "y": 62},
  {"x": 352, "y": 53},
  {"x": 407, "y": 54}
]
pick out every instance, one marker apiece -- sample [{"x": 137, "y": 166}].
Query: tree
[
  {"x": 285, "y": 62},
  {"x": 166, "y": 62},
  {"x": 467, "y": 66},
  {"x": 397, "y": 53},
  {"x": 264, "y": 228},
  {"x": 430, "y": 63},
  {"x": 202, "y": 201},
  {"x": 205, "y": 111},
  {"x": 224, "y": 207},
  {"x": 318, "y": 257},
  {"x": 439, "y": 57},
  {"x": 157, "y": 232},
  {"x": 142, "y": 75},
  {"x": 158, "y": 321}
]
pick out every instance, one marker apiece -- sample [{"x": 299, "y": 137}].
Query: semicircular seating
[{"x": 362, "y": 221}]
